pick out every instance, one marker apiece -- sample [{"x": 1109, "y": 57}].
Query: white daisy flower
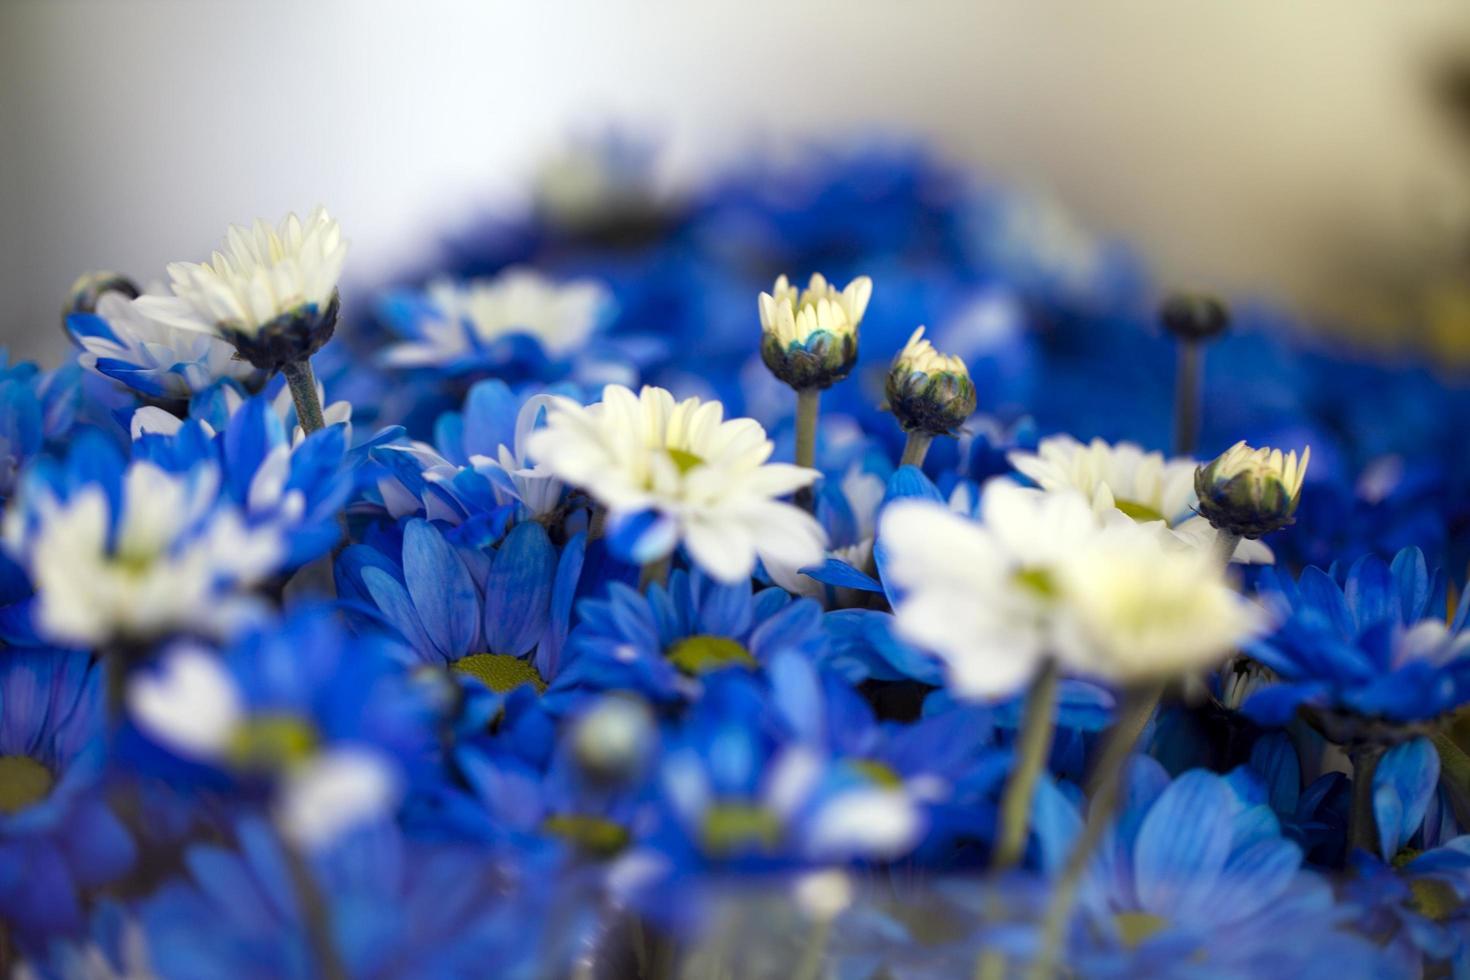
[
  {"x": 271, "y": 287},
  {"x": 984, "y": 596},
  {"x": 460, "y": 319},
  {"x": 671, "y": 472},
  {"x": 1142, "y": 606},
  {"x": 809, "y": 337},
  {"x": 1123, "y": 478},
  {"x": 168, "y": 561},
  {"x": 1042, "y": 576},
  {"x": 1251, "y": 492},
  {"x": 123, "y": 342}
]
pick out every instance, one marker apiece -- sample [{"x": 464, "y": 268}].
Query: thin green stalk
[
  {"x": 1033, "y": 745},
  {"x": 303, "y": 392},
  {"x": 1454, "y": 770},
  {"x": 815, "y": 950},
  {"x": 808, "y": 407},
  {"x": 656, "y": 571},
  {"x": 915, "y": 449},
  {"x": 1106, "y": 788},
  {"x": 1362, "y": 825},
  {"x": 597, "y": 523},
  {"x": 315, "y": 915},
  {"x": 1186, "y": 397},
  {"x": 1225, "y": 545}
]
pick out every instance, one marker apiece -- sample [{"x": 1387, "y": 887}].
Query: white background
[{"x": 1248, "y": 144}]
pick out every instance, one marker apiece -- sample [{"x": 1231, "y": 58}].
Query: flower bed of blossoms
[{"x": 599, "y": 602}]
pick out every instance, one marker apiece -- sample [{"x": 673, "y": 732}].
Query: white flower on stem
[
  {"x": 681, "y": 472},
  {"x": 1123, "y": 478},
  {"x": 461, "y": 318},
  {"x": 1251, "y": 492},
  {"x": 264, "y": 273},
  {"x": 173, "y": 558},
  {"x": 984, "y": 596},
  {"x": 794, "y": 316},
  {"x": 1141, "y": 606}
]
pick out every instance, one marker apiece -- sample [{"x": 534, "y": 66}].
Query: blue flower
[
  {"x": 501, "y": 617},
  {"x": 58, "y": 836},
  {"x": 1370, "y": 644},
  {"x": 1194, "y": 875},
  {"x": 394, "y": 907},
  {"x": 660, "y": 643}
]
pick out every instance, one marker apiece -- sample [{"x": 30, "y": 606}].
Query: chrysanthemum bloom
[
  {"x": 809, "y": 338},
  {"x": 272, "y": 293},
  {"x": 134, "y": 552},
  {"x": 1041, "y": 577},
  {"x": 671, "y": 473},
  {"x": 1251, "y": 492},
  {"x": 1123, "y": 477},
  {"x": 927, "y": 391},
  {"x": 485, "y": 323}
]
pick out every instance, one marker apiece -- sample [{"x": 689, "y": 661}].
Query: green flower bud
[
  {"x": 928, "y": 391},
  {"x": 1251, "y": 492}
]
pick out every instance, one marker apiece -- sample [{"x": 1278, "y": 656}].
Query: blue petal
[
  {"x": 642, "y": 537},
  {"x": 1403, "y": 785},
  {"x": 840, "y": 574},
  {"x": 518, "y": 590},
  {"x": 442, "y": 590},
  {"x": 1182, "y": 846}
]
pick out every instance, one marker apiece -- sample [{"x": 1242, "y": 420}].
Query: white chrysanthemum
[
  {"x": 984, "y": 596},
  {"x": 707, "y": 479},
  {"x": 160, "y": 571},
  {"x": 1140, "y": 605},
  {"x": 152, "y": 355},
  {"x": 1262, "y": 467},
  {"x": 1123, "y": 477},
  {"x": 467, "y": 315},
  {"x": 794, "y": 316},
  {"x": 264, "y": 273},
  {"x": 919, "y": 356}
]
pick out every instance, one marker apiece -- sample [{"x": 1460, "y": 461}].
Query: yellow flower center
[
  {"x": 684, "y": 460},
  {"x": 23, "y": 782},
  {"x": 1137, "y": 927},
  {"x": 500, "y": 672},
  {"x": 1142, "y": 513},
  {"x": 704, "y": 653}
]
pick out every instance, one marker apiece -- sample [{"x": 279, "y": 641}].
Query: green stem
[
  {"x": 1106, "y": 788},
  {"x": 915, "y": 449},
  {"x": 1225, "y": 545},
  {"x": 1454, "y": 774},
  {"x": 1362, "y": 825},
  {"x": 810, "y": 965},
  {"x": 303, "y": 392},
  {"x": 656, "y": 571},
  {"x": 1033, "y": 744},
  {"x": 315, "y": 916},
  {"x": 597, "y": 524},
  {"x": 1186, "y": 397},
  {"x": 808, "y": 406}
]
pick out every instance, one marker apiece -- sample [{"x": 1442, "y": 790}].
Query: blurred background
[{"x": 1311, "y": 153}]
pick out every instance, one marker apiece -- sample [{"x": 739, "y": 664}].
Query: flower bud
[
  {"x": 90, "y": 287},
  {"x": 1251, "y": 492},
  {"x": 809, "y": 340},
  {"x": 613, "y": 739},
  {"x": 928, "y": 391},
  {"x": 1194, "y": 317}
]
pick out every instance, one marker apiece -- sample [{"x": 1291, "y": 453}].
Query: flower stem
[
  {"x": 815, "y": 950},
  {"x": 303, "y": 392},
  {"x": 1106, "y": 787},
  {"x": 655, "y": 572},
  {"x": 597, "y": 523},
  {"x": 315, "y": 916},
  {"x": 1033, "y": 745},
  {"x": 1362, "y": 825},
  {"x": 1186, "y": 397},
  {"x": 808, "y": 406},
  {"x": 1454, "y": 767},
  {"x": 1225, "y": 545},
  {"x": 915, "y": 449}
]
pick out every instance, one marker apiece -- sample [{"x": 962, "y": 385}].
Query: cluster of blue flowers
[{"x": 347, "y": 656}]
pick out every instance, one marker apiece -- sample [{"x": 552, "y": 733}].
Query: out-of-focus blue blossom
[
  {"x": 59, "y": 837},
  {"x": 1371, "y": 642}
]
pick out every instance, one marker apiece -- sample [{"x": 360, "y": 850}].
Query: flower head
[
  {"x": 1251, "y": 492},
  {"x": 486, "y": 323},
  {"x": 809, "y": 338},
  {"x": 680, "y": 472},
  {"x": 1194, "y": 317},
  {"x": 272, "y": 292},
  {"x": 928, "y": 391}
]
